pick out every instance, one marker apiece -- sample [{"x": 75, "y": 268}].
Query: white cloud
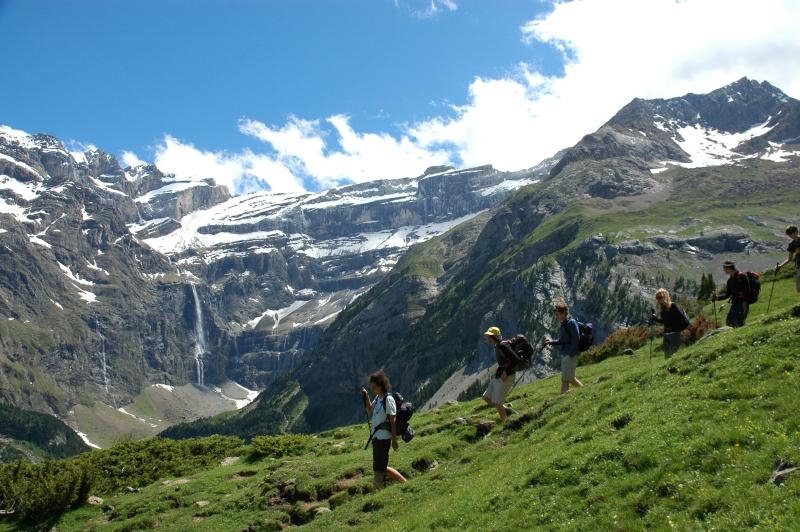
[
  {"x": 330, "y": 153},
  {"x": 241, "y": 173},
  {"x": 426, "y": 8},
  {"x": 613, "y": 51},
  {"x": 303, "y": 155},
  {"x": 131, "y": 159}
]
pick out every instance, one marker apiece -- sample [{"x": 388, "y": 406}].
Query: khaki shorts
[
  {"x": 498, "y": 389},
  {"x": 568, "y": 366}
]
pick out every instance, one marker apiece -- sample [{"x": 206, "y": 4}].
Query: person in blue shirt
[{"x": 568, "y": 340}]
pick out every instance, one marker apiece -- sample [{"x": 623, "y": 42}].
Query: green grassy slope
[{"x": 689, "y": 443}]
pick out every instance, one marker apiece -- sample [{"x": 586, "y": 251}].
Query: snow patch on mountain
[
  {"x": 22, "y": 165},
  {"x": 16, "y": 136},
  {"x": 171, "y": 188},
  {"x": 399, "y": 238},
  {"x": 276, "y": 315},
  {"x": 26, "y": 191},
  {"x": 710, "y": 147}
]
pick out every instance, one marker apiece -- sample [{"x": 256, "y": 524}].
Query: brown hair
[
  {"x": 791, "y": 230},
  {"x": 380, "y": 378},
  {"x": 561, "y": 307}
]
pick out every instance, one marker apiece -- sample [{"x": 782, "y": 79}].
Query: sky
[{"x": 305, "y": 95}]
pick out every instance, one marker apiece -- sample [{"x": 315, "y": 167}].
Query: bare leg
[
  {"x": 502, "y": 411},
  {"x": 564, "y": 387},
  {"x": 394, "y": 474}
]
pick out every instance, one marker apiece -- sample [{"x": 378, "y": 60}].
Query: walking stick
[
  {"x": 774, "y": 276},
  {"x": 714, "y": 306},
  {"x": 652, "y": 311},
  {"x": 524, "y": 372},
  {"x": 365, "y": 399}
]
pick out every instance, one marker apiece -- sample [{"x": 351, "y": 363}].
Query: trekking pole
[
  {"x": 651, "y": 342},
  {"x": 523, "y": 373},
  {"x": 714, "y": 306},
  {"x": 516, "y": 381},
  {"x": 774, "y": 278},
  {"x": 364, "y": 399}
]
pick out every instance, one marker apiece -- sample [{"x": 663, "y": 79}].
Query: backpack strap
[{"x": 385, "y": 425}]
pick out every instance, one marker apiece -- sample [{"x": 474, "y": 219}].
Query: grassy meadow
[{"x": 694, "y": 442}]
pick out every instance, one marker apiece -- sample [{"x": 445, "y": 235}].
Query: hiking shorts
[
  {"x": 498, "y": 389},
  {"x": 380, "y": 454},
  {"x": 568, "y": 366}
]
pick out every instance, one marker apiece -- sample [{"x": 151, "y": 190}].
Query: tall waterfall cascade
[
  {"x": 199, "y": 337},
  {"x": 102, "y": 354}
]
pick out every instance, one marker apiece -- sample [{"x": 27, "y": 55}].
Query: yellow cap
[{"x": 493, "y": 331}]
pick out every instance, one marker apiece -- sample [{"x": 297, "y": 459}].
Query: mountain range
[{"x": 122, "y": 289}]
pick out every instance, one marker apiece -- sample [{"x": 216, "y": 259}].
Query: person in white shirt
[{"x": 383, "y": 411}]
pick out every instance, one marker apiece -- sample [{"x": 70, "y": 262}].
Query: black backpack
[
  {"x": 586, "y": 338},
  {"x": 404, "y": 412},
  {"x": 685, "y": 321},
  {"x": 753, "y": 286},
  {"x": 524, "y": 350}
]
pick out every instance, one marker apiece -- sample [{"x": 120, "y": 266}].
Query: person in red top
[{"x": 735, "y": 290}]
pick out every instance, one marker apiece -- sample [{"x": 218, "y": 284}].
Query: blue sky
[{"x": 304, "y": 95}]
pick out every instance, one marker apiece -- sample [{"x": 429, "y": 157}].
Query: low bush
[
  {"x": 277, "y": 446},
  {"x": 36, "y": 493}
]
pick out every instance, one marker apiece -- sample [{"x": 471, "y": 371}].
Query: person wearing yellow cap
[{"x": 503, "y": 380}]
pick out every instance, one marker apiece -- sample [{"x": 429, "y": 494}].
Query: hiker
[
  {"x": 503, "y": 380},
  {"x": 568, "y": 340},
  {"x": 736, "y": 290},
  {"x": 382, "y": 409},
  {"x": 794, "y": 254},
  {"x": 674, "y": 320}
]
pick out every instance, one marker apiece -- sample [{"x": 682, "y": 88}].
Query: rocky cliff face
[{"x": 113, "y": 279}]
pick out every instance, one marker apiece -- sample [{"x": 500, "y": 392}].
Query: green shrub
[
  {"x": 35, "y": 493},
  {"x": 616, "y": 344},
  {"x": 277, "y": 446}
]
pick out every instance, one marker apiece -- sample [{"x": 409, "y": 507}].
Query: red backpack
[{"x": 753, "y": 280}]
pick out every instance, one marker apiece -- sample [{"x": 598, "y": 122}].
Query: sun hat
[{"x": 492, "y": 331}]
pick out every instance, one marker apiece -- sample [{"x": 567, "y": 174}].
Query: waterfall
[
  {"x": 199, "y": 337},
  {"x": 102, "y": 353}
]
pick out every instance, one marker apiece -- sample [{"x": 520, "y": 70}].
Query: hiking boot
[{"x": 509, "y": 410}]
